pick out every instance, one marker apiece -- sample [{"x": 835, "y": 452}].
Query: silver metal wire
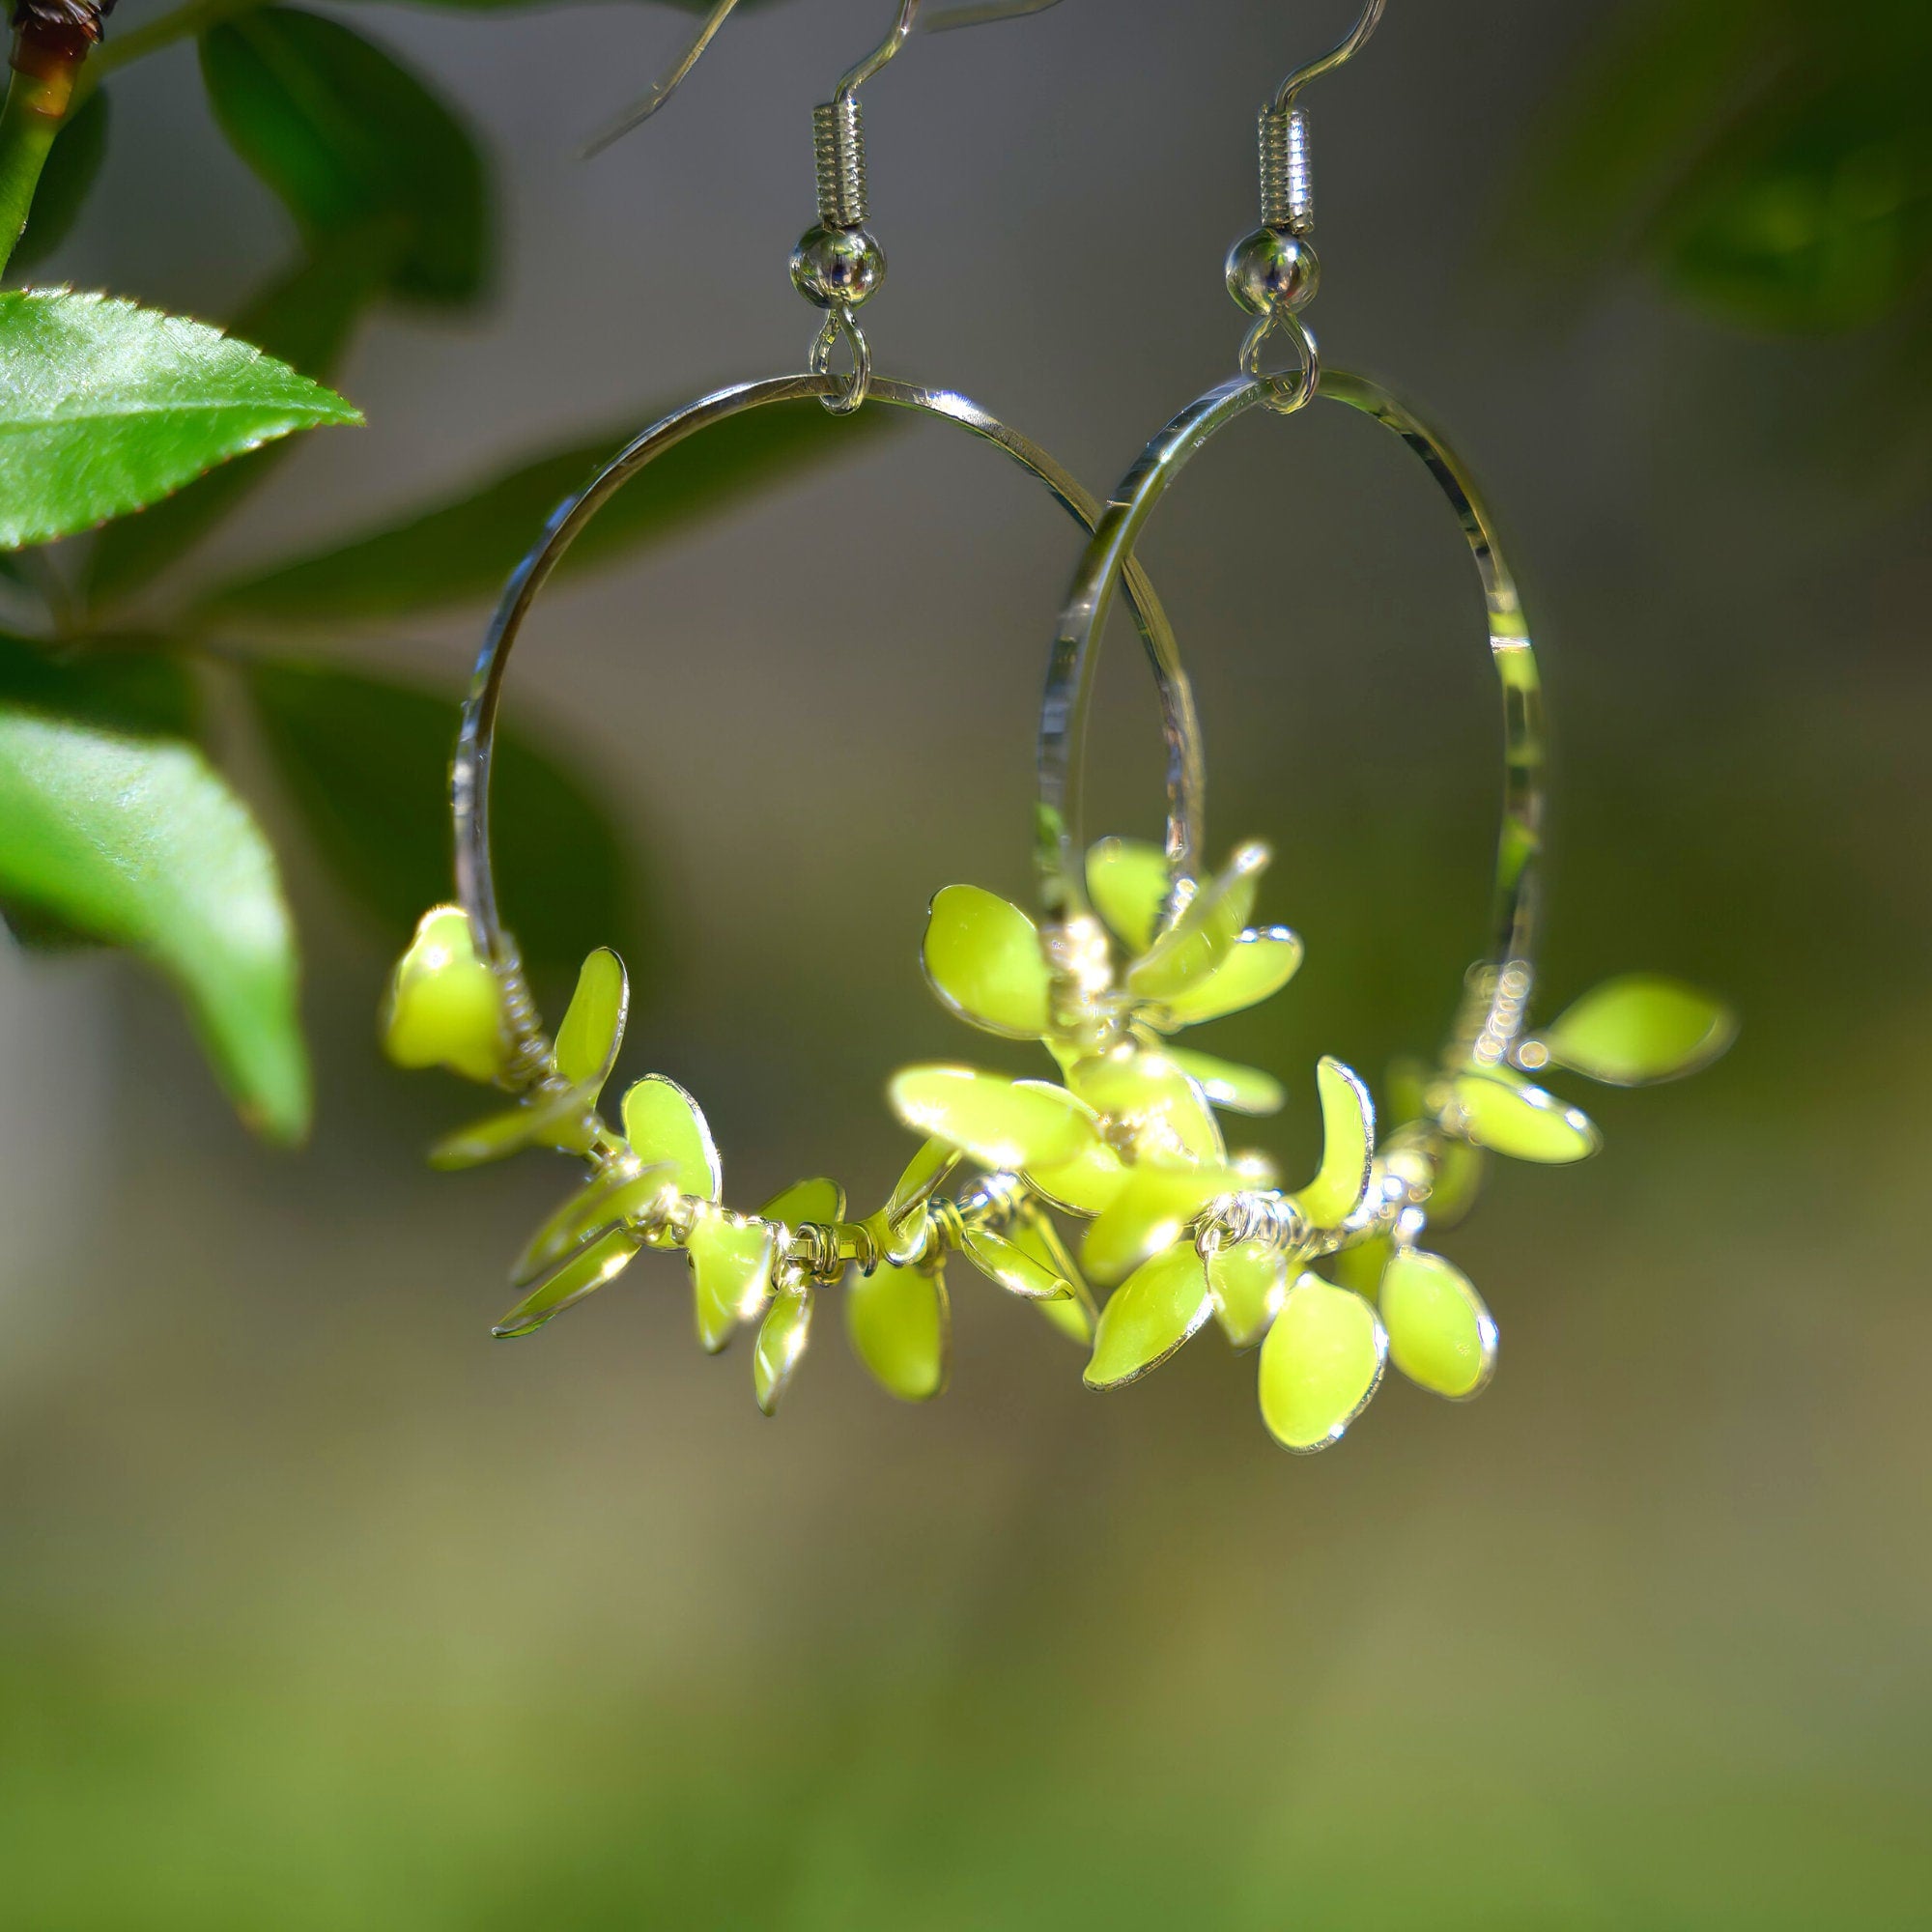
[
  {"x": 1287, "y": 185},
  {"x": 838, "y": 157},
  {"x": 471, "y": 767},
  {"x": 1289, "y": 392},
  {"x": 1345, "y": 49},
  {"x": 843, "y": 326},
  {"x": 1498, "y": 989},
  {"x": 664, "y": 87}
]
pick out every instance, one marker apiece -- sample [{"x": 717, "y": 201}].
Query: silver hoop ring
[
  {"x": 1292, "y": 392},
  {"x": 469, "y": 770},
  {"x": 843, "y": 326},
  {"x": 1493, "y": 1013}
]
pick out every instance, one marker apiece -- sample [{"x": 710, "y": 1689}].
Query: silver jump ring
[
  {"x": 841, "y": 325},
  {"x": 1286, "y": 393}
]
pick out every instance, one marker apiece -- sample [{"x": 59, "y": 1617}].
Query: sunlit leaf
[
  {"x": 781, "y": 1343},
  {"x": 818, "y": 1202},
  {"x": 1258, "y": 966},
  {"x": 1169, "y": 1114},
  {"x": 1248, "y": 1280},
  {"x": 1360, "y": 1268},
  {"x": 582, "y": 1275},
  {"x": 1074, "y": 1315},
  {"x": 461, "y": 550},
  {"x": 445, "y": 1004},
  {"x": 999, "y": 1123},
  {"x": 367, "y": 762},
  {"x": 983, "y": 958},
  {"x": 73, "y": 165},
  {"x": 349, "y": 139},
  {"x": 559, "y": 1121},
  {"x": 304, "y": 318},
  {"x": 136, "y": 841},
  {"x": 900, "y": 1327},
  {"x": 1241, "y": 1089},
  {"x": 730, "y": 1273},
  {"x": 1320, "y": 1365},
  {"x": 1088, "y": 1185},
  {"x": 1638, "y": 1028},
  {"x": 1513, "y": 1117},
  {"x": 1459, "y": 1173},
  {"x": 1150, "y": 1316},
  {"x": 1012, "y": 1267},
  {"x": 923, "y": 1176},
  {"x": 1347, "y": 1146},
  {"x": 664, "y": 1124},
  {"x": 1440, "y": 1334},
  {"x": 593, "y": 1212},
  {"x": 106, "y": 406},
  {"x": 1127, "y": 879},
  {"x": 1152, "y": 1213},
  {"x": 1200, "y": 941},
  {"x": 593, "y": 1028}
]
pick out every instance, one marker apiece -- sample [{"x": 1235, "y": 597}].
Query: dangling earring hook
[
  {"x": 667, "y": 83},
  {"x": 1346, "y": 49}
]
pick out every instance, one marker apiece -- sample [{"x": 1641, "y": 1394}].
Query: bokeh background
[{"x": 318, "y": 1608}]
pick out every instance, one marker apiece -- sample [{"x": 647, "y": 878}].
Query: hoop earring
[
  {"x": 459, "y": 998},
  {"x": 1176, "y": 1227}
]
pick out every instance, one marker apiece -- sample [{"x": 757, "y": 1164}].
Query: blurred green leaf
[
  {"x": 350, "y": 140},
  {"x": 461, "y": 550},
  {"x": 1815, "y": 216},
  {"x": 106, "y": 406},
  {"x": 132, "y": 837},
  {"x": 367, "y": 761},
  {"x": 73, "y": 163},
  {"x": 306, "y": 319},
  {"x": 133, "y": 685}
]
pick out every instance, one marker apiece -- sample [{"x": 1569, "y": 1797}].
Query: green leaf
[
  {"x": 1638, "y": 1028},
  {"x": 781, "y": 1347},
  {"x": 106, "y": 406},
  {"x": 347, "y": 137},
  {"x": 305, "y": 319},
  {"x": 999, "y": 1123},
  {"x": 138, "y": 841},
  {"x": 665, "y": 1124},
  {"x": 1010, "y": 1266},
  {"x": 592, "y": 1027},
  {"x": 1127, "y": 879},
  {"x": 1074, "y": 1315},
  {"x": 1249, "y": 1279},
  {"x": 1510, "y": 1117},
  {"x": 461, "y": 550},
  {"x": 1240, "y": 1089},
  {"x": 72, "y": 164},
  {"x": 367, "y": 762},
  {"x": 818, "y": 1200},
  {"x": 1150, "y": 1212},
  {"x": 1199, "y": 941},
  {"x": 1150, "y": 1316},
  {"x": 1320, "y": 1365},
  {"x": 560, "y": 1121},
  {"x": 1440, "y": 1335},
  {"x": 1348, "y": 1146},
  {"x": 730, "y": 1273},
  {"x": 983, "y": 958},
  {"x": 900, "y": 1326},
  {"x": 589, "y": 1214},
  {"x": 1258, "y": 966},
  {"x": 581, "y": 1275}
]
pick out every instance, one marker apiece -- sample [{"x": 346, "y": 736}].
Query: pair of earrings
[{"x": 1134, "y": 944}]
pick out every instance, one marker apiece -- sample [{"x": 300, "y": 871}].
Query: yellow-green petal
[
  {"x": 1127, "y": 879},
  {"x": 819, "y": 1203},
  {"x": 1088, "y": 1184},
  {"x": 593, "y": 1023},
  {"x": 1258, "y": 966},
  {"x": 1511, "y": 1117},
  {"x": 1150, "y": 1316},
  {"x": 1074, "y": 1315},
  {"x": 983, "y": 960},
  {"x": 1152, "y": 1212},
  {"x": 1240, "y": 1089},
  {"x": 1191, "y": 950},
  {"x": 613, "y": 1197},
  {"x": 1460, "y": 1171},
  {"x": 900, "y": 1326},
  {"x": 730, "y": 1271},
  {"x": 926, "y": 1173},
  {"x": 1347, "y": 1146},
  {"x": 782, "y": 1341},
  {"x": 1440, "y": 1335},
  {"x": 1000, "y": 1123},
  {"x": 1145, "y": 1091},
  {"x": 1636, "y": 1029},
  {"x": 1248, "y": 1280},
  {"x": 560, "y": 1121},
  {"x": 1320, "y": 1365},
  {"x": 1009, "y": 1266},
  {"x": 445, "y": 1005},
  {"x": 664, "y": 1125},
  {"x": 1360, "y": 1268},
  {"x": 583, "y": 1273}
]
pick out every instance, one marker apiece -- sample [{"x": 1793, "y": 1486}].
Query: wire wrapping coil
[
  {"x": 838, "y": 155},
  {"x": 1287, "y": 181}
]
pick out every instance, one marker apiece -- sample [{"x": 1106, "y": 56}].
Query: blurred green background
[{"x": 318, "y": 1608}]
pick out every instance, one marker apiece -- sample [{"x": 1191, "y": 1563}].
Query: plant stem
[
  {"x": 37, "y": 103},
  {"x": 185, "y": 22}
]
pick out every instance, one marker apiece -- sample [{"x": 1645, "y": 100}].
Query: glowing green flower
[{"x": 445, "y": 1004}]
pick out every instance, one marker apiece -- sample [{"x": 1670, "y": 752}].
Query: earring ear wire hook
[
  {"x": 1345, "y": 49},
  {"x": 664, "y": 87}
]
